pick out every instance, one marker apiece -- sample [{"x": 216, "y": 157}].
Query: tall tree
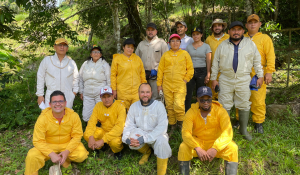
[
  {"x": 276, "y": 10},
  {"x": 248, "y": 7},
  {"x": 114, "y": 5}
]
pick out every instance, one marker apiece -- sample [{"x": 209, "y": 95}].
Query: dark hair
[
  {"x": 146, "y": 84},
  {"x": 98, "y": 48},
  {"x": 57, "y": 93}
]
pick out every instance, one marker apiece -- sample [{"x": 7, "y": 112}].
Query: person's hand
[
  {"x": 55, "y": 158},
  {"x": 64, "y": 156},
  {"x": 206, "y": 80},
  {"x": 185, "y": 81},
  {"x": 99, "y": 143},
  {"x": 259, "y": 82},
  {"x": 159, "y": 88},
  {"x": 81, "y": 96},
  {"x": 135, "y": 142},
  {"x": 40, "y": 99},
  {"x": 203, "y": 156},
  {"x": 91, "y": 143},
  {"x": 74, "y": 93},
  {"x": 268, "y": 78},
  {"x": 214, "y": 83},
  {"x": 115, "y": 94},
  {"x": 211, "y": 153}
]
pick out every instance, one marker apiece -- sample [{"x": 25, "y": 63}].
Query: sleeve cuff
[
  {"x": 104, "y": 139},
  {"x": 128, "y": 142},
  {"x": 215, "y": 147}
]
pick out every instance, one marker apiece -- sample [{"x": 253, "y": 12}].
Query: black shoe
[
  {"x": 237, "y": 124},
  {"x": 259, "y": 128},
  {"x": 118, "y": 155},
  {"x": 104, "y": 147}
]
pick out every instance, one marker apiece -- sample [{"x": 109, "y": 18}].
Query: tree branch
[{"x": 81, "y": 12}]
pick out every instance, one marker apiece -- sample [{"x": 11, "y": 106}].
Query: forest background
[{"x": 28, "y": 30}]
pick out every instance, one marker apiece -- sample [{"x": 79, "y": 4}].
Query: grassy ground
[{"x": 275, "y": 152}]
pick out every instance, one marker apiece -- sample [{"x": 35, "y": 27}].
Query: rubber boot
[
  {"x": 179, "y": 125},
  {"x": 259, "y": 128},
  {"x": 184, "y": 167},
  {"x": 243, "y": 119},
  {"x": 162, "y": 166},
  {"x": 146, "y": 153},
  {"x": 231, "y": 168}
]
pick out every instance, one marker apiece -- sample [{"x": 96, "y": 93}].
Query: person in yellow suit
[
  {"x": 57, "y": 136},
  {"x": 127, "y": 73},
  {"x": 207, "y": 133},
  {"x": 218, "y": 35},
  {"x": 266, "y": 49},
  {"x": 111, "y": 114},
  {"x": 175, "y": 69}
]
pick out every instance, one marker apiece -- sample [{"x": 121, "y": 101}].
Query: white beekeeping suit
[
  {"x": 92, "y": 77},
  {"x": 58, "y": 75},
  {"x": 151, "y": 122}
]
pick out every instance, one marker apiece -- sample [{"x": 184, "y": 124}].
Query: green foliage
[{"x": 6, "y": 17}]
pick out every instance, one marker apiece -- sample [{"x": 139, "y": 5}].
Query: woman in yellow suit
[
  {"x": 127, "y": 73},
  {"x": 174, "y": 71}
]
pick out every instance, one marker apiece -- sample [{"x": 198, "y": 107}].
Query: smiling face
[
  {"x": 217, "y": 29},
  {"x": 95, "y": 54},
  {"x": 204, "y": 102},
  {"x": 151, "y": 33},
  {"x": 181, "y": 29},
  {"x": 128, "y": 49},
  {"x": 107, "y": 99},
  {"x": 175, "y": 43},
  {"x": 236, "y": 33},
  {"x": 61, "y": 49},
  {"x": 253, "y": 26},
  {"x": 57, "y": 104},
  {"x": 196, "y": 36},
  {"x": 145, "y": 94}
]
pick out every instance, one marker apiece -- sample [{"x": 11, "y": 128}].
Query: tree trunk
[
  {"x": 276, "y": 10},
  {"x": 135, "y": 22},
  {"x": 248, "y": 8},
  {"x": 167, "y": 22},
  {"x": 229, "y": 15},
  {"x": 203, "y": 16},
  {"x": 193, "y": 4},
  {"x": 90, "y": 38},
  {"x": 116, "y": 23},
  {"x": 298, "y": 12},
  {"x": 149, "y": 11}
]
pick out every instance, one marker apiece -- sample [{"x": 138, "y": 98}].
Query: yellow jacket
[
  {"x": 127, "y": 74},
  {"x": 217, "y": 130},
  {"x": 47, "y": 130},
  {"x": 214, "y": 43},
  {"x": 112, "y": 120},
  {"x": 265, "y": 47},
  {"x": 174, "y": 68}
]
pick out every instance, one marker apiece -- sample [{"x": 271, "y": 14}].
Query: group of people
[{"x": 121, "y": 104}]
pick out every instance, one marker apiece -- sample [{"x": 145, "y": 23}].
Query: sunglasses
[{"x": 208, "y": 100}]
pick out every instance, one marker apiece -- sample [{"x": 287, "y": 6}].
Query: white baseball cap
[{"x": 105, "y": 90}]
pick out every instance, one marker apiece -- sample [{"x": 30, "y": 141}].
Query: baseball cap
[
  {"x": 151, "y": 24},
  {"x": 197, "y": 29},
  {"x": 236, "y": 23},
  {"x": 204, "y": 90},
  {"x": 129, "y": 41},
  {"x": 180, "y": 22},
  {"x": 253, "y": 16},
  {"x": 174, "y": 36},
  {"x": 218, "y": 21},
  {"x": 105, "y": 90},
  {"x": 96, "y": 47},
  {"x": 61, "y": 40}
]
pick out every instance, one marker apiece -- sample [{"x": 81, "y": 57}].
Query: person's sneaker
[
  {"x": 237, "y": 124},
  {"x": 258, "y": 128},
  {"x": 118, "y": 155}
]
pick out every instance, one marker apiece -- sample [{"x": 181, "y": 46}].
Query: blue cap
[{"x": 204, "y": 90}]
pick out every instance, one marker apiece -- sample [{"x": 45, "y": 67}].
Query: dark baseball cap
[
  {"x": 197, "y": 29},
  {"x": 96, "y": 47},
  {"x": 180, "y": 22},
  {"x": 129, "y": 41},
  {"x": 204, "y": 90},
  {"x": 236, "y": 23},
  {"x": 151, "y": 24}
]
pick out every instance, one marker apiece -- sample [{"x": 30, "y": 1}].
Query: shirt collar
[{"x": 239, "y": 42}]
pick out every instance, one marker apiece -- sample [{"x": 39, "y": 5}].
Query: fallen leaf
[{"x": 16, "y": 171}]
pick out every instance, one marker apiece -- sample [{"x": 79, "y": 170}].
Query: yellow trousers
[
  {"x": 175, "y": 105},
  {"x": 229, "y": 153},
  {"x": 35, "y": 160},
  {"x": 128, "y": 100},
  {"x": 258, "y": 106},
  {"x": 115, "y": 144}
]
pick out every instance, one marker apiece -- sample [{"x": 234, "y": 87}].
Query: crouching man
[
  {"x": 146, "y": 126},
  {"x": 111, "y": 114},
  {"x": 207, "y": 133},
  {"x": 57, "y": 136}
]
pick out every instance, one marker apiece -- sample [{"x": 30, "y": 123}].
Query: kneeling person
[
  {"x": 207, "y": 133},
  {"x": 146, "y": 125},
  {"x": 57, "y": 136},
  {"x": 111, "y": 114}
]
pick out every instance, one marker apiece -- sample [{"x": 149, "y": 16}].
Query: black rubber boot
[
  {"x": 237, "y": 124},
  {"x": 184, "y": 167},
  {"x": 259, "y": 128},
  {"x": 243, "y": 120},
  {"x": 118, "y": 155},
  {"x": 231, "y": 168}
]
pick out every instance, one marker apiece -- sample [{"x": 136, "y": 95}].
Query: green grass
[{"x": 275, "y": 152}]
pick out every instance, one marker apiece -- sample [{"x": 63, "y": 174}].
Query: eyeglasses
[
  {"x": 173, "y": 41},
  {"x": 59, "y": 102},
  {"x": 62, "y": 45},
  {"x": 208, "y": 100},
  {"x": 96, "y": 52}
]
